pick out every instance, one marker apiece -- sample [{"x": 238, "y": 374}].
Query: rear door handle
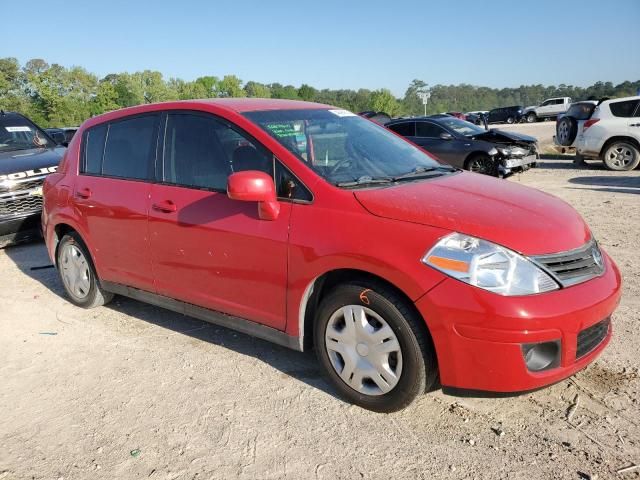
[
  {"x": 83, "y": 193},
  {"x": 635, "y": 125},
  {"x": 166, "y": 206}
]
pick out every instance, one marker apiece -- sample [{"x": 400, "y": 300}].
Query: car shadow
[
  {"x": 604, "y": 183},
  {"x": 33, "y": 261}
]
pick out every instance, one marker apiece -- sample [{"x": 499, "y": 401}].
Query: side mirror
[
  {"x": 446, "y": 136},
  {"x": 255, "y": 186}
]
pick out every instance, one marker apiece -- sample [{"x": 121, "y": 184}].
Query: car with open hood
[
  {"x": 464, "y": 145},
  {"x": 27, "y": 156},
  {"x": 317, "y": 229}
]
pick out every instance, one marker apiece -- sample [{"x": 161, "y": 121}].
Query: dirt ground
[{"x": 132, "y": 391}]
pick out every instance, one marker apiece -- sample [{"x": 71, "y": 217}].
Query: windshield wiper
[
  {"x": 365, "y": 180},
  {"x": 421, "y": 171}
]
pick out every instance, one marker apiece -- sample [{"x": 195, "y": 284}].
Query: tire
[
  {"x": 78, "y": 274},
  {"x": 532, "y": 117},
  {"x": 621, "y": 156},
  {"x": 347, "y": 351},
  {"x": 482, "y": 164},
  {"x": 566, "y": 131},
  {"x": 511, "y": 120}
]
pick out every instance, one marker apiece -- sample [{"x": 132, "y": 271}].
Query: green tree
[
  {"x": 383, "y": 101},
  {"x": 307, "y": 93},
  {"x": 257, "y": 90},
  {"x": 231, "y": 86}
]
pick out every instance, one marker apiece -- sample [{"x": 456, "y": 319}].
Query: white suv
[{"x": 612, "y": 134}]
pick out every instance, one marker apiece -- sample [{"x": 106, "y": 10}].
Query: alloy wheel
[
  {"x": 363, "y": 350},
  {"x": 621, "y": 156}
]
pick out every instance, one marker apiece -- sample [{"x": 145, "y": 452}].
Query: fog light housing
[{"x": 541, "y": 356}]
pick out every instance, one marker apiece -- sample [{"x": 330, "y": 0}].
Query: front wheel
[
  {"x": 531, "y": 118},
  {"x": 78, "y": 274},
  {"x": 621, "y": 156},
  {"x": 372, "y": 347},
  {"x": 482, "y": 164}
]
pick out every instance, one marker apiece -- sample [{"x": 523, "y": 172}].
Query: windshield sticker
[
  {"x": 22, "y": 128},
  {"x": 282, "y": 130},
  {"x": 343, "y": 113}
]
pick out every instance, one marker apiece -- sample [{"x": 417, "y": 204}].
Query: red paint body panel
[
  {"x": 217, "y": 253},
  {"x": 521, "y": 218},
  {"x": 201, "y": 247},
  {"x": 478, "y": 335}
]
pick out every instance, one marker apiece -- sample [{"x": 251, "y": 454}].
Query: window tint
[
  {"x": 623, "y": 109},
  {"x": 201, "y": 151},
  {"x": 94, "y": 148},
  {"x": 130, "y": 147},
  {"x": 581, "y": 111},
  {"x": 406, "y": 129},
  {"x": 428, "y": 129}
]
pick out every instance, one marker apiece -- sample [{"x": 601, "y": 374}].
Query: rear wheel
[
  {"x": 372, "y": 347},
  {"x": 78, "y": 273},
  {"x": 621, "y": 156},
  {"x": 511, "y": 120}
]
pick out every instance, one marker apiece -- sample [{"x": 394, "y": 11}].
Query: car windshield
[
  {"x": 17, "y": 133},
  {"x": 462, "y": 127},
  {"x": 344, "y": 148}
]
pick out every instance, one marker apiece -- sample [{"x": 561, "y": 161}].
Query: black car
[
  {"x": 505, "y": 114},
  {"x": 62, "y": 136},
  {"x": 27, "y": 156},
  {"x": 465, "y": 145}
]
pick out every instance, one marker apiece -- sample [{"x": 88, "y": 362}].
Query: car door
[
  {"x": 444, "y": 144},
  {"x": 111, "y": 195},
  {"x": 207, "y": 249},
  {"x": 625, "y": 118}
]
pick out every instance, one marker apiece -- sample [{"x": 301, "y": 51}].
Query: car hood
[
  {"x": 30, "y": 162},
  {"x": 521, "y": 218},
  {"x": 504, "y": 136}
]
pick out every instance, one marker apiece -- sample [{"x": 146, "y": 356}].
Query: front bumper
[
  {"x": 479, "y": 335},
  {"x": 509, "y": 165}
]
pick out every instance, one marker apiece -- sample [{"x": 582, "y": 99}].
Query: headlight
[
  {"x": 506, "y": 151},
  {"x": 489, "y": 266},
  {"x": 493, "y": 151}
]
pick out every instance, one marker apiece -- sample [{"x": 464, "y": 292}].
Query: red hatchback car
[{"x": 310, "y": 226}]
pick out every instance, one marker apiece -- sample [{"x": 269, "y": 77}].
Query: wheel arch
[
  {"x": 323, "y": 284},
  {"x": 618, "y": 138}
]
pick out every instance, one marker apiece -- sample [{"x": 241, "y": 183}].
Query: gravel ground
[{"x": 133, "y": 391}]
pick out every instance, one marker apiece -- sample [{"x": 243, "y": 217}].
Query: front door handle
[
  {"x": 635, "y": 125},
  {"x": 166, "y": 206},
  {"x": 83, "y": 193}
]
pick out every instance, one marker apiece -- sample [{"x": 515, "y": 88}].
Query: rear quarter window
[
  {"x": 623, "y": 109},
  {"x": 93, "y": 149}
]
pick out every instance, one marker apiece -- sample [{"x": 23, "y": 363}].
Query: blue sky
[{"x": 337, "y": 44}]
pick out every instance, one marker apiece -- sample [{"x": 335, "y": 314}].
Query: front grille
[
  {"x": 574, "y": 266},
  {"x": 20, "y": 206},
  {"x": 591, "y": 337},
  {"x": 18, "y": 186},
  {"x": 20, "y": 197}
]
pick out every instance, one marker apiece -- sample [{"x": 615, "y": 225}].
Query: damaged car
[
  {"x": 498, "y": 153},
  {"x": 27, "y": 156}
]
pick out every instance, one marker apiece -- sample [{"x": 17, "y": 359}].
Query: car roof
[
  {"x": 622, "y": 99},
  {"x": 236, "y": 105}
]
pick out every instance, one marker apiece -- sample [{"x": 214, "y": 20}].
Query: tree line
[{"x": 53, "y": 95}]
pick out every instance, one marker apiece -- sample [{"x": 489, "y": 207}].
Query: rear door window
[
  {"x": 130, "y": 148},
  {"x": 623, "y": 109},
  {"x": 581, "y": 111},
  {"x": 406, "y": 129}
]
